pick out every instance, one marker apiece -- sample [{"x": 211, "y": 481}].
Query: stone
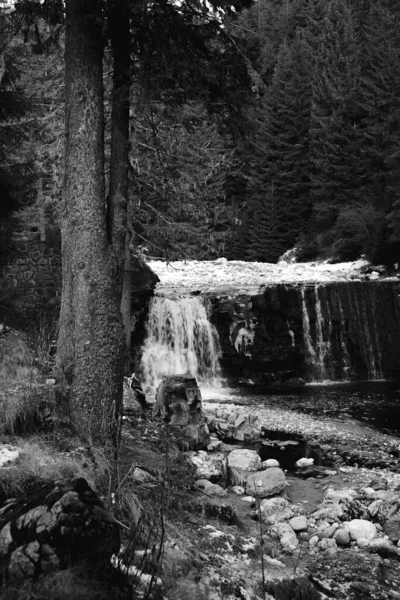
[
  {"x": 238, "y": 490},
  {"x": 374, "y": 507},
  {"x": 328, "y": 532},
  {"x": 392, "y": 528},
  {"x": 240, "y": 464},
  {"x": 140, "y": 476},
  {"x": 246, "y": 460},
  {"x": 211, "y": 489},
  {"x": 266, "y": 483},
  {"x": 270, "y": 462},
  {"x": 287, "y": 536},
  {"x": 269, "y": 506},
  {"x": 178, "y": 403},
  {"x": 360, "y": 528},
  {"x": 362, "y": 542},
  {"x": 328, "y": 544},
  {"x": 134, "y": 399},
  {"x": 8, "y": 454},
  {"x": 298, "y": 524},
  {"x": 214, "y": 445},
  {"x": 304, "y": 462},
  {"x": 209, "y": 466},
  {"x": 58, "y": 524},
  {"x": 342, "y": 537},
  {"x": 379, "y": 544}
]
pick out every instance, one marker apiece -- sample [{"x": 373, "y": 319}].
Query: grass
[{"x": 40, "y": 462}]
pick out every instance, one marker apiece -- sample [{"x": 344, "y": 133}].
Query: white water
[{"x": 179, "y": 339}]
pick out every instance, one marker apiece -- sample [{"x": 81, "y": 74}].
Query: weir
[
  {"x": 326, "y": 332},
  {"x": 179, "y": 339}
]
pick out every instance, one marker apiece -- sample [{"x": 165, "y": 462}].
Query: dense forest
[{"x": 301, "y": 150}]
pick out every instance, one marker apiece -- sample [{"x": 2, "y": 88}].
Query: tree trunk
[
  {"x": 119, "y": 161},
  {"x": 90, "y": 343}
]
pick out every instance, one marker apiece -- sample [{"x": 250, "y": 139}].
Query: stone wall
[{"x": 30, "y": 284}]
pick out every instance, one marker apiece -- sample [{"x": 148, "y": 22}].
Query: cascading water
[
  {"x": 179, "y": 339},
  {"x": 344, "y": 332}
]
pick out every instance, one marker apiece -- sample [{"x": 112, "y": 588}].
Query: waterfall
[
  {"x": 179, "y": 339},
  {"x": 345, "y": 331}
]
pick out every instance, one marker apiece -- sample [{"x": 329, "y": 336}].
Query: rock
[
  {"x": 392, "y": 528},
  {"x": 266, "y": 483},
  {"x": 270, "y": 506},
  {"x": 328, "y": 544},
  {"x": 134, "y": 399},
  {"x": 304, "y": 462},
  {"x": 379, "y": 544},
  {"x": 374, "y": 507},
  {"x": 342, "y": 536},
  {"x": 240, "y": 464},
  {"x": 360, "y": 528},
  {"x": 211, "y": 489},
  {"x": 270, "y": 462},
  {"x": 238, "y": 490},
  {"x": 339, "y": 496},
  {"x": 58, "y": 525},
  {"x": 298, "y": 524},
  {"x": 362, "y": 542},
  {"x": 313, "y": 541},
  {"x": 209, "y": 466},
  {"x": 389, "y": 509},
  {"x": 332, "y": 513},
  {"x": 214, "y": 445},
  {"x": 141, "y": 476},
  {"x": 328, "y": 532},
  {"x": 8, "y": 454},
  {"x": 287, "y": 536},
  {"x": 178, "y": 402}
]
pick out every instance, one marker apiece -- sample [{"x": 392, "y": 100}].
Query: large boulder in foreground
[
  {"x": 178, "y": 402},
  {"x": 57, "y": 526}
]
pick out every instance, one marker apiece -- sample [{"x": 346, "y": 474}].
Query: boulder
[
  {"x": 209, "y": 466},
  {"x": 57, "y": 526},
  {"x": 360, "y": 528},
  {"x": 266, "y": 483},
  {"x": 304, "y": 462},
  {"x": 241, "y": 463},
  {"x": 269, "y": 506},
  {"x": 211, "y": 489},
  {"x": 178, "y": 403}
]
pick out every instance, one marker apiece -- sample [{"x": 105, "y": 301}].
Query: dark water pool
[{"x": 376, "y": 404}]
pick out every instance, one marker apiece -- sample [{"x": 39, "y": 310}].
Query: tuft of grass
[
  {"x": 16, "y": 358},
  {"x": 39, "y": 463}
]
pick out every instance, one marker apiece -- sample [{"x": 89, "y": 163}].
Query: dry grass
[
  {"x": 16, "y": 359},
  {"x": 40, "y": 462}
]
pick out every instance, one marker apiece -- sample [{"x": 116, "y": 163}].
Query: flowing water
[{"x": 179, "y": 339}]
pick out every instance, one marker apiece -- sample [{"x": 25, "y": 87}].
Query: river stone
[
  {"x": 390, "y": 509},
  {"x": 266, "y": 483},
  {"x": 360, "y": 528},
  {"x": 374, "y": 507},
  {"x": 287, "y": 536},
  {"x": 298, "y": 524},
  {"x": 362, "y": 542},
  {"x": 339, "y": 496},
  {"x": 270, "y": 462},
  {"x": 304, "y": 462},
  {"x": 379, "y": 544},
  {"x": 328, "y": 532},
  {"x": 342, "y": 537},
  {"x": 211, "y": 489},
  {"x": 392, "y": 528},
  {"x": 209, "y": 466},
  {"x": 269, "y": 506},
  {"x": 238, "y": 490},
  {"x": 240, "y": 464}
]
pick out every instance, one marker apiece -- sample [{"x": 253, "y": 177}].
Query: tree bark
[{"x": 90, "y": 342}]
